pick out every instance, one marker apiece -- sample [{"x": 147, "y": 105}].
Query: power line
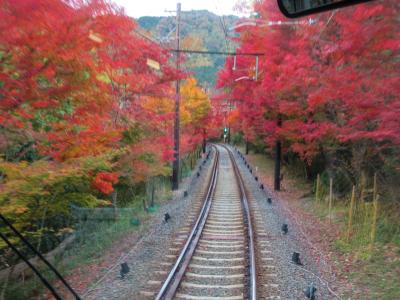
[
  {"x": 224, "y": 27},
  {"x": 148, "y": 38},
  {"x": 224, "y": 30}
]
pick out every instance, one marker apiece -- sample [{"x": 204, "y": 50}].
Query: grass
[{"x": 379, "y": 273}]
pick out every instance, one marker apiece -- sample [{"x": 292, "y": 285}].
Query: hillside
[{"x": 201, "y": 30}]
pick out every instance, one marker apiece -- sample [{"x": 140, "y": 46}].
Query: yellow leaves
[
  {"x": 195, "y": 103},
  {"x": 20, "y": 210},
  {"x": 195, "y": 42},
  {"x": 26, "y": 188},
  {"x": 14, "y": 209},
  {"x": 103, "y": 77},
  {"x": 103, "y": 203},
  {"x": 192, "y": 42},
  {"x": 72, "y": 151},
  {"x": 40, "y": 170},
  {"x": 158, "y": 105},
  {"x": 13, "y": 170},
  {"x": 185, "y": 117}
]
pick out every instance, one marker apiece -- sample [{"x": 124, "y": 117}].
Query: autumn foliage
[
  {"x": 104, "y": 182},
  {"x": 82, "y": 108},
  {"x": 329, "y": 87}
]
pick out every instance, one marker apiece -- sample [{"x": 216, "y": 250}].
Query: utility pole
[
  {"x": 278, "y": 154},
  {"x": 175, "y": 165}
]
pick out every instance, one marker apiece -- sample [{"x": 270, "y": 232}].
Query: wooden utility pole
[{"x": 175, "y": 165}]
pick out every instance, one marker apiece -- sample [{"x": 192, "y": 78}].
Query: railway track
[{"x": 218, "y": 258}]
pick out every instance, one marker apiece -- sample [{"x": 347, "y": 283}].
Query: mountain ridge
[{"x": 200, "y": 30}]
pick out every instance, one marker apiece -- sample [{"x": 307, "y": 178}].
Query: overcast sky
[{"x": 138, "y": 8}]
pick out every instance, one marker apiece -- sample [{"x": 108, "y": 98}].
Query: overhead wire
[
  {"x": 221, "y": 18},
  {"x": 224, "y": 29},
  {"x": 148, "y": 38},
  {"x": 219, "y": 52},
  {"x": 327, "y": 23}
]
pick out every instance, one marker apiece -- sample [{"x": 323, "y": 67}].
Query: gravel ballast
[
  {"x": 292, "y": 279},
  {"x": 147, "y": 256}
]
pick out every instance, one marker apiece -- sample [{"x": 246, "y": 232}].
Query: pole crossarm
[{"x": 218, "y": 52}]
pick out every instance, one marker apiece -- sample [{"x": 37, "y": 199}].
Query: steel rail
[
  {"x": 172, "y": 282},
  {"x": 251, "y": 251}
]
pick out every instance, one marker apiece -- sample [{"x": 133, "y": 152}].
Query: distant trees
[{"x": 205, "y": 28}]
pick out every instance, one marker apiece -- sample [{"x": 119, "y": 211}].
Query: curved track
[{"x": 218, "y": 260}]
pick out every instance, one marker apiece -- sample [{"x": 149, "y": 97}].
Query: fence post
[
  {"x": 363, "y": 186},
  {"x": 114, "y": 197},
  {"x": 363, "y": 208},
  {"x": 375, "y": 213},
  {"x": 330, "y": 198},
  {"x": 317, "y": 189},
  {"x": 375, "y": 189},
  {"x": 373, "y": 228},
  {"x": 350, "y": 223}
]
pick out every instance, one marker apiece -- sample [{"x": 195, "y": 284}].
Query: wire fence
[
  {"x": 95, "y": 227},
  {"x": 358, "y": 204}
]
